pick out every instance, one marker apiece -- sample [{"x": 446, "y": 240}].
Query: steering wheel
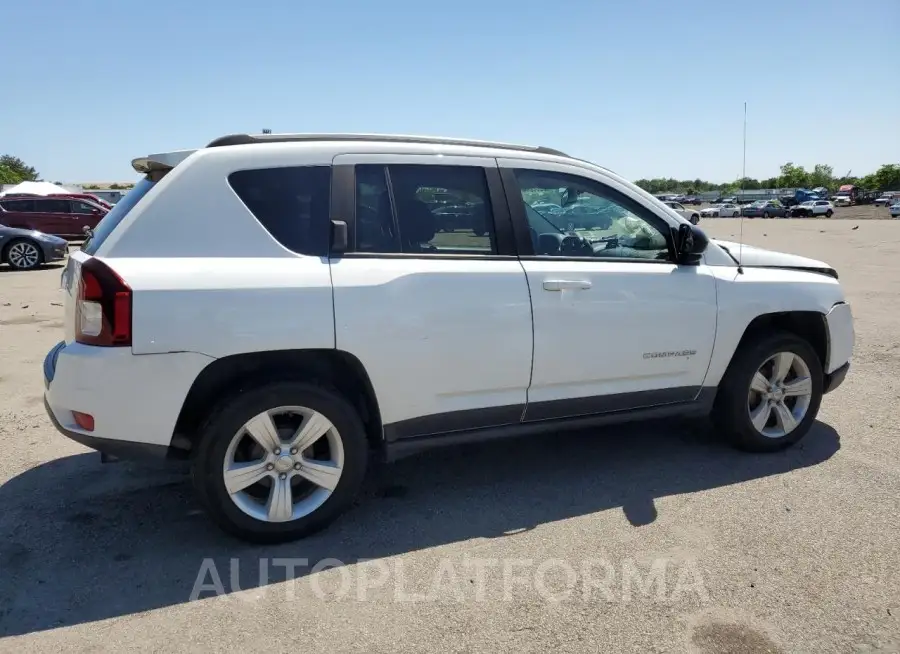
[{"x": 576, "y": 244}]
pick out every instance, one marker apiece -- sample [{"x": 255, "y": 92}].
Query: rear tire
[
  {"x": 829, "y": 213},
  {"x": 243, "y": 512},
  {"x": 23, "y": 254},
  {"x": 782, "y": 418}
]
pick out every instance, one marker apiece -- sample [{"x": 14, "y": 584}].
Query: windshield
[{"x": 116, "y": 215}]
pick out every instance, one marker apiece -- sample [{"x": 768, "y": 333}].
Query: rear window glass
[
  {"x": 116, "y": 215},
  {"x": 291, "y": 203}
]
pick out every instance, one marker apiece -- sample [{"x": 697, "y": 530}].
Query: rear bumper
[
  {"x": 114, "y": 448},
  {"x": 134, "y": 400}
]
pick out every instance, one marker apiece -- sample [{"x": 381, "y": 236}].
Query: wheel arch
[
  {"x": 229, "y": 375},
  {"x": 811, "y": 326}
]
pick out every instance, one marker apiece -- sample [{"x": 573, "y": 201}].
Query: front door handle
[{"x": 566, "y": 285}]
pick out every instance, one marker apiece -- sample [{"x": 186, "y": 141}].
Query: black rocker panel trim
[{"x": 477, "y": 419}]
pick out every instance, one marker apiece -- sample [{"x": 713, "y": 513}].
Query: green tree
[
  {"x": 822, "y": 175},
  {"x": 13, "y": 170},
  {"x": 8, "y": 175},
  {"x": 793, "y": 176},
  {"x": 887, "y": 178}
]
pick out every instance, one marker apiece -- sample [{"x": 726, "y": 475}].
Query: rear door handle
[{"x": 566, "y": 284}]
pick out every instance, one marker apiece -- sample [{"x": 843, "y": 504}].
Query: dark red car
[
  {"x": 60, "y": 216},
  {"x": 93, "y": 199}
]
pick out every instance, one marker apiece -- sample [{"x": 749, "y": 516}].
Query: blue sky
[{"x": 647, "y": 88}]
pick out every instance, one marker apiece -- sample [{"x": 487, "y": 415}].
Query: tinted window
[
  {"x": 82, "y": 207},
  {"x": 52, "y": 206},
  {"x": 26, "y": 206},
  {"x": 291, "y": 203},
  {"x": 593, "y": 222},
  {"x": 428, "y": 210}
]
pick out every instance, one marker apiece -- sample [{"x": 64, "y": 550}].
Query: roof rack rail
[{"x": 247, "y": 139}]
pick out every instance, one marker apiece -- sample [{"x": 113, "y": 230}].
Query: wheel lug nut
[
  {"x": 270, "y": 467},
  {"x": 282, "y": 476},
  {"x": 277, "y": 451},
  {"x": 296, "y": 466},
  {"x": 293, "y": 450}
]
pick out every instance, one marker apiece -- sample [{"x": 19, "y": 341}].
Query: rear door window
[
  {"x": 423, "y": 210},
  {"x": 292, "y": 204},
  {"x": 53, "y": 206}
]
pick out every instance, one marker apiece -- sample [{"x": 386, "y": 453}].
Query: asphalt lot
[{"x": 546, "y": 544}]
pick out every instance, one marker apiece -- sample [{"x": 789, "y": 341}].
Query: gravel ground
[{"x": 651, "y": 539}]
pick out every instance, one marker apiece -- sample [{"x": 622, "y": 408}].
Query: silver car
[
  {"x": 691, "y": 216},
  {"x": 25, "y": 249}
]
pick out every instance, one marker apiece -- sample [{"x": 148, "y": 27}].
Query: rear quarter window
[
  {"x": 26, "y": 206},
  {"x": 116, "y": 215},
  {"x": 292, "y": 204}
]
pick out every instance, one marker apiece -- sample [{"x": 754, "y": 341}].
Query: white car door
[
  {"x": 617, "y": 324},
  {"x": 429, "y": 295}
]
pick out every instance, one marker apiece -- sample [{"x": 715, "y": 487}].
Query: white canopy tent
[{"x": 35, "y": 188}]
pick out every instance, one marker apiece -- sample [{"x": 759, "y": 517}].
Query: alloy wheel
[
  {"x": 23, "y": 255},
  {"x": 283, "y": 464},
  {"x": 780, "y": 394}
]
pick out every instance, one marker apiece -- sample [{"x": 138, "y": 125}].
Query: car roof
[
  {"x": 248, "y": 139},
  {"x": 168, "y": 160}
]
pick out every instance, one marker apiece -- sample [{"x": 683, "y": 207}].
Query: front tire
[
  {"x": 280, "y": 462},
  {"x": 23, "y": 254},
  {"x": 771, "y": 393},
  {"x": 829, "y": 213}
]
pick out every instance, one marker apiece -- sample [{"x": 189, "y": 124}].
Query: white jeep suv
[{"x": 274, "y": 308}]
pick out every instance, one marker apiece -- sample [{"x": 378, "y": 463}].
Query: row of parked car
[
  {"x": 36, "y": 229},
  {"x": 770, "y": 209}
]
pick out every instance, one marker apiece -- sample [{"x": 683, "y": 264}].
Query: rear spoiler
[{"x": 164, "y": 161}]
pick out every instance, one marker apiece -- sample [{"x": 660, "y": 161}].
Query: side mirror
[
  {"x": 339, "y": 239},
  {"x": 690, "y": 244}
]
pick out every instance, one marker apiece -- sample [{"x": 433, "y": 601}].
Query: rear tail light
[{"x": 103, "y": 307}]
